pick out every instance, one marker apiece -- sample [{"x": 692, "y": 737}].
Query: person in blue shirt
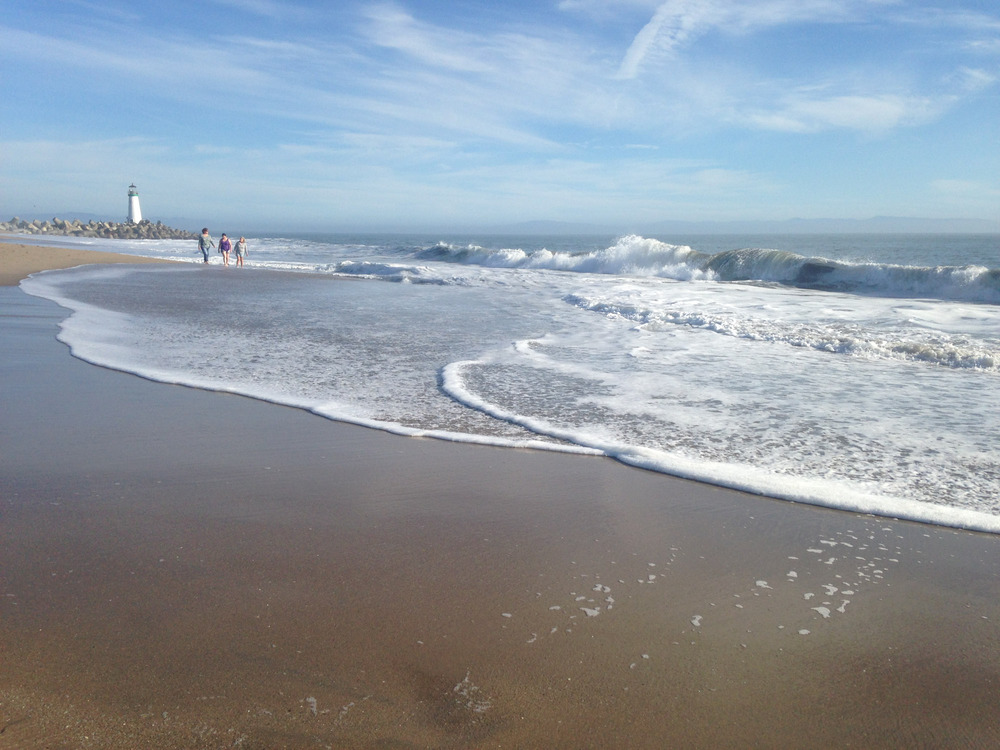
[
  {"x": 205, "y": 242},
  {"x": 240, "y": 248}
]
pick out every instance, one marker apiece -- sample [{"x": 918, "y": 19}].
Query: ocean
[{"x": 859, "y": 372}]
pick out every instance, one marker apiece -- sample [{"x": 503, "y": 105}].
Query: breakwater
[{"x": 143, "y": 230}]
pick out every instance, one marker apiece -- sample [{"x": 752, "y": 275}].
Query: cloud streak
[
  {"x": 678, "y": 21},
  {"x": 393, "y": 28},
  {"x": 869, "y": 114}
]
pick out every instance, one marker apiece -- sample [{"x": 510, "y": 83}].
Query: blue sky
[{"x": 434, "y": 114}]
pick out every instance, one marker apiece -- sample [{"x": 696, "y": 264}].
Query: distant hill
[{"x": 874, "y": 225}]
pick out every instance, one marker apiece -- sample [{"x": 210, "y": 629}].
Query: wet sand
[{"x": 183, "y": 569}]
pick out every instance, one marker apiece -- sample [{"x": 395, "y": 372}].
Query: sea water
[{"x": 855, "y": 372}]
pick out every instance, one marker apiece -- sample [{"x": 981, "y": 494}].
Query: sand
[
  {"x": 17, "y": 260},
  {"x": 183, "y": 569}
]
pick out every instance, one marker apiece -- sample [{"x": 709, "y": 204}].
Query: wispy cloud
[
  {"x": 677, "y": 21},
  {"x": 652, "y": 35},
  {"x": 394, "y": 28},
  {"x": 268, "y": 8},
  {"x": 870, "y": 114},
  {"x": 518, "y": 86},
  {"x": 974, "y": 79},
  {"x": 165, "y": 63}
]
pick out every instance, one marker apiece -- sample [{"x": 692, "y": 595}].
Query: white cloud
[
  {"x": 975, "y": 79},
  {"x": 166, "y": 65},
  {"x": 268, "y": 8},
  {"x": 678, "y": 21},
  {"x": 394, "y": 28},
  {"x": 870, "y": 114},
  {"x": 984, "y": 46}
]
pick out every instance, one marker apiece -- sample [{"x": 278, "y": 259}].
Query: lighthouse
[{"x": 134, "y": 212}]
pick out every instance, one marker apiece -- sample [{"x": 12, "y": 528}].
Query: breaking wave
[{"x": 640, "y": 256}]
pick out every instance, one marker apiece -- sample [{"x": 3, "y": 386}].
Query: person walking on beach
[
  {"x": 224, "y": 247},
  {"x": 241, "y": 249},
  {"x": 205, "y": 242}
]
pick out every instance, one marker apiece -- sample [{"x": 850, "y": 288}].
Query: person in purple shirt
[{"x": 224, "y": 247}]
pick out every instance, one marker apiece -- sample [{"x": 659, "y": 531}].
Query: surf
[{"x": 634, "y": 255}]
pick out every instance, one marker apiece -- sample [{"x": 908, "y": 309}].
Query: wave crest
[
  {"x": 629, "y": 256},
  {"x": 634, "y": 255}
]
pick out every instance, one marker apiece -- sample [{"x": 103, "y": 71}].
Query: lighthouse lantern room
[{"x": 134, "y": 212}]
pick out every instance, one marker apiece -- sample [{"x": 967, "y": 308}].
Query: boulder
[{"x": 145, "y": 229}]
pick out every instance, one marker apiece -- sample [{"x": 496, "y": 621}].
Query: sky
[{"x": 423, "y": 114}]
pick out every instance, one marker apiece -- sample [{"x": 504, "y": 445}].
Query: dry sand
[
  {"x": 183, "y": 569},
  {"x": 18, "y": 260}
]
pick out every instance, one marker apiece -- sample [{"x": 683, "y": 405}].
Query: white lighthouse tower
[{"x": 134, "y": 212}]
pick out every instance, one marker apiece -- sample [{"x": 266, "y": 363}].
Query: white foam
[{"x": 637, "y": 367}]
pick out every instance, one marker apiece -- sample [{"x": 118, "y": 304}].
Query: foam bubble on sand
[
  {"x": 830, "y": 590},
  {"x": 634, "y": 664},
  {"x": 823, "y": 611},
  {"x": 762, "y": 585},
  {"x": 696, "y": 621},
  {"x": 591, "y": 612},
  {"x": 803, "y": 632},
  {"x": 467, "y": 695}
]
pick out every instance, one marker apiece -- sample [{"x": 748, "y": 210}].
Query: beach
[
  {"x": 184, "y": 569},
  {"x": 17, "y": 260}
]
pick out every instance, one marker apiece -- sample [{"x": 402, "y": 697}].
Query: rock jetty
[{"x": 144, "y": 230}]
